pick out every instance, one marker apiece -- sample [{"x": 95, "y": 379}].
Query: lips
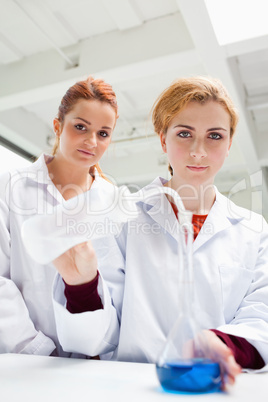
[
  {"x": 197, "y": 168},
  {"x": 86, "y": 152}
]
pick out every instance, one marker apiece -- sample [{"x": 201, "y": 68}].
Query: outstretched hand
[{"x": 78, "y": 265}]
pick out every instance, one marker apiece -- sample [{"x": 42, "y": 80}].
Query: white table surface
[{"x": 37, "y": 378}]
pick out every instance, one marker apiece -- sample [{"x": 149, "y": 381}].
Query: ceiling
[{"x": 140, "y": 47}]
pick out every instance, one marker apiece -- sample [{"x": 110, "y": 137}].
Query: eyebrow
[
  {"x": 193, "y": 129},
  {"x": 88, "y": 122},
  {"x": 217, "y": 128},
  {"x": 184, "y": 126}
]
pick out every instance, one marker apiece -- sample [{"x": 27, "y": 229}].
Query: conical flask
[{"x": 184, "y": 364}]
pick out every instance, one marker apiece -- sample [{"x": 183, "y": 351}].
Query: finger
[
  {"x": 229, "y": 370},
  {"x": 228, "y": 377},
  {"x": 232, "y": 366},
  {"x": 226, "y": 382}
]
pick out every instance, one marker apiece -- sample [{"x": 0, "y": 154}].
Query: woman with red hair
[{"x": 86, "y": 119}]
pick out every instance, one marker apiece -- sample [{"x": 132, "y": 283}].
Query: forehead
[
  {"x": 91, "y": 106},
  {"x": 209, "y": 113}
]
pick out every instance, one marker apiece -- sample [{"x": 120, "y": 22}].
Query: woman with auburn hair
[
  {"x": 86, "y": 119},
  {"x": 195, "y": 120}
]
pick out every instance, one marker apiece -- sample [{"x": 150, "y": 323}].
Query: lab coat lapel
[
  {"x": 160, "y": 210},
  {"x": 219, "y": 218},
  {"x": 214, "y": 224},
  {"x": 38, "y": 173}
]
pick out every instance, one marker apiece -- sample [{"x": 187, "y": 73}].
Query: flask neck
[{"x": 185, "y": 269}]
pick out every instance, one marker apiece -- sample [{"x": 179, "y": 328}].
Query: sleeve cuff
[
  {"x": 245, "y": 354},
  {"x": 82, "y": 298}
]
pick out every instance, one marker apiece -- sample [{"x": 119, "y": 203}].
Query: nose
[
  {"x": 198, "y": 150},
  {"x": 91, "y": 140}
]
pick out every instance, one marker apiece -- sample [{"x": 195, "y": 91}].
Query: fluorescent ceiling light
[{"x": 237, "y": 20}]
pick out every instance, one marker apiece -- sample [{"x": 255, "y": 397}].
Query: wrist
[{"x": 81, "y": 280}]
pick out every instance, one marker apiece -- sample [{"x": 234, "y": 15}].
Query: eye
[
  {"x": 80, "y": 127},
  {"x": 103, "y": 134},
  {"x": 184, "y": 134},
  {"x": 215, "y": 136}
]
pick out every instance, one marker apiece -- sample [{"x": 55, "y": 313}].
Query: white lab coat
[
  {"x": 231, "y": 282},
  {"x": 27, "y": 323}
]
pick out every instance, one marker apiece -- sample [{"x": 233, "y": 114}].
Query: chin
[{"x": 84, "y": 164}]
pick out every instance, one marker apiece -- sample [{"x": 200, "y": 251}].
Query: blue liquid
[{"x": 193, "y": 375}]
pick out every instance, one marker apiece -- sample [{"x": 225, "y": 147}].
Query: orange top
[{"x": 198, "y": 220}]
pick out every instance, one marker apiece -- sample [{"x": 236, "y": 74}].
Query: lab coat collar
[
  {"x": 223, "y": 214},
  {"x": 38, "y": 173},
  {"x": 41, "y": 176},
  {"x": 159, "y": 208},
  {"x": 153, "y": 199}
]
